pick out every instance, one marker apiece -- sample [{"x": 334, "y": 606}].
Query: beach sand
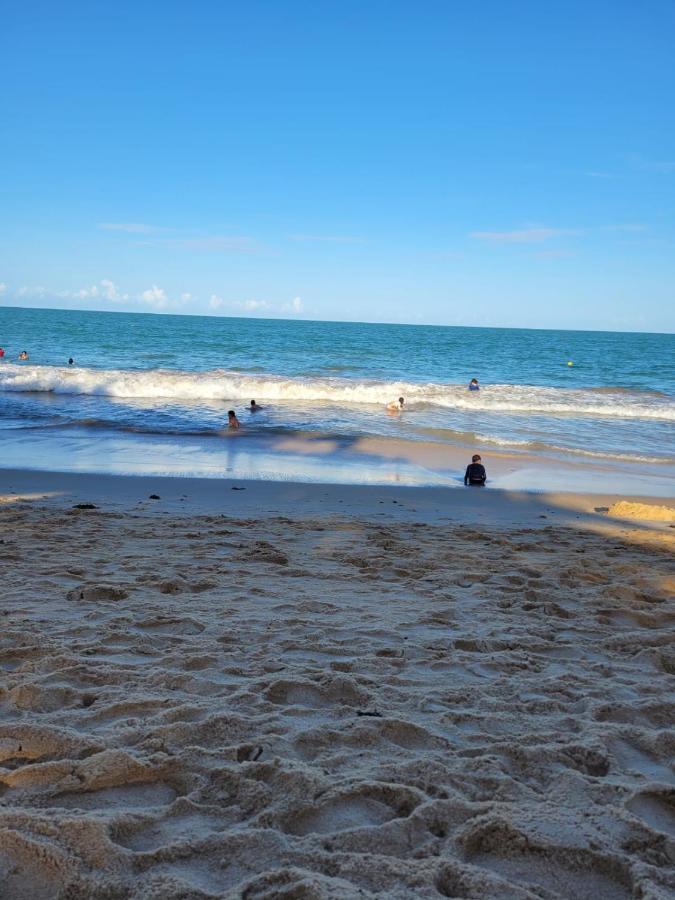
[{"x": 257, "y": 690}]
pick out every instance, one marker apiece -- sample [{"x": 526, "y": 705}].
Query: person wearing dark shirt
[
  {"x": 473, "y": 385},
  {"x": 475, "y": 472}
]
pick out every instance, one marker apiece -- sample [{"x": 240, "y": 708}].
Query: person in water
[
  {"x": 232, "y": 420},
  {"x": 71, "y": 361},
  {"x": 23, "y": 355},
  {"x": 2, "y": 352},
  {"x": 396, "y": 405},
  {"x": 475, "y": 472},
  {"x": 473, "y": 385},
  {"x": 254, "y": 406}
]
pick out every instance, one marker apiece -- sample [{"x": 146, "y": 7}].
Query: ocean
[{"x": 150, "y": 393}]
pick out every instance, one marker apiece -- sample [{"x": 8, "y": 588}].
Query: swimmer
[
  {"x": 232, "y": 420},
  {"x": 23, "y": 355},
  {"x": 473, "y": 385},
  {"x": 2, "y": 352},
  {"x": 396, "y": 405},
  {"x": 71, "y": 361},
  {"x": 254, "y": 407},
  {"x": 475, "y": 472}
]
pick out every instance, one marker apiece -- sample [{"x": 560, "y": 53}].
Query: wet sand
[
  {"x": 258, "y": 690},
  {"x": 322, "y": 457}
]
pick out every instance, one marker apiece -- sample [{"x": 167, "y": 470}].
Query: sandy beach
[{"x": 224, "y": 689}]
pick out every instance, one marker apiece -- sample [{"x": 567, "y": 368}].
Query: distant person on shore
[
  {"x": 254, "y": 407},
  {"x": 23, "y": 356},
  {"x": 232, "y": 420},
  {"x": 475, "y": 472},
  {"x": 71, "y": 361},
  {"x": 396, "y": 405},
  {"x": 473, "y": 385}
]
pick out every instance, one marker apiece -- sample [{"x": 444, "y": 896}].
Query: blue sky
[{"x": 476, "y": 164}]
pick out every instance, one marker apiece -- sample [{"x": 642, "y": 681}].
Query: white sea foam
[
  {"x": 575, "y": 451},
  {"x": 162, "y": 384}
]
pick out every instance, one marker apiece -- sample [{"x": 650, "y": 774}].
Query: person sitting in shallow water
[
  {"x": 396, "y": 405},
  {"x": 232, "y": 420},
  {"x": 475, "y": 472},
  {"x": 473, "y": 385},
  {"x": 254, "y": 407},
  {"x": 23, "y": 355}
]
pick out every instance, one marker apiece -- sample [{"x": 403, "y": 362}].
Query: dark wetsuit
[{"x": 475, "y": 474}]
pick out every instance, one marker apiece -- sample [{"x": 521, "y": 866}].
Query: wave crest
[{"x": 176, "y": 386}]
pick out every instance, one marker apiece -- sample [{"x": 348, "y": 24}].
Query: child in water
[
  {"x": 232, "y": 420},
  {"x": 473, "y": 385},
  {"x": 396, "y": 405},
  {"x": 475, "y": 472}
]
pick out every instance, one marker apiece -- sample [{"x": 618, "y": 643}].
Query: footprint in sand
[
  {"x": 161, "y": 832},
  {"x": 127, "y": 796},
  {"x": 364, "y": 807},
  {"x": 559, "y": 871},
  {"x": 656, "y": 808},
  {"x": 339, "y": 690}
]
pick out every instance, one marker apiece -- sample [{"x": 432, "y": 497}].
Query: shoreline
[
  {"x": 268, "y": 499},
  {"x": 322, "y": 458}
]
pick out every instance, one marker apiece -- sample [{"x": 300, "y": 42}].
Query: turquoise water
[{"x": 176, "y": 377}]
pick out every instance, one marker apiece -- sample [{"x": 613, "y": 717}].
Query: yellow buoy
[{"x": 570, "y": 363}]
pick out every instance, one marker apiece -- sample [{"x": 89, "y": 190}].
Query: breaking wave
[{"x": 176, "y": 386}]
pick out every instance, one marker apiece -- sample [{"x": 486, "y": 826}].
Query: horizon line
[{"x": 146, "y": 312}]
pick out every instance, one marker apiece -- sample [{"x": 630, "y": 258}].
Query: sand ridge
[
  {"x": 221, "y": 707},
  {"x": 642, "y": 511}
]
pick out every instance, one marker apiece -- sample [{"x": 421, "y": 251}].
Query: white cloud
[
  {"x": 129, "y": 227},
  {"x": 185, "y": 297},
  {"x": 538, "y": 234},
  {"x": 216, "y": 302},
  {"x": 3, "y": 287},
  {"x": 111, "y": 292},
  {"x": 295, "y": 306},
  {"x": 104, "y": 290},
  {"x": 251, "y": 305},
  {"x": 82, "y": 294},
  {"x": 37, "y": 291},
  {"x": 155, "y": 297}
]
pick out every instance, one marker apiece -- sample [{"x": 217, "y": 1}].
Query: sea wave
[{"x": 180, "y": 386}]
